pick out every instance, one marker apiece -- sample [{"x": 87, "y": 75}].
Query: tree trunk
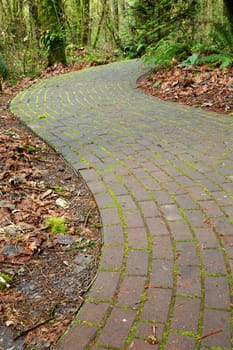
[
  {"x": 50, "y": 13},
  {"x": 86, "y": 22},
  {"x": 228, "y": 9}
]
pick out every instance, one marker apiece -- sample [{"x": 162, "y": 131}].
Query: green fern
[
  {"x": 166, "y": 52},
  {"x": 222, "y": 59}
]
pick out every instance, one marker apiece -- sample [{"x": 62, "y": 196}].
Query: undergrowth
[{"x": 217, "y": 53}]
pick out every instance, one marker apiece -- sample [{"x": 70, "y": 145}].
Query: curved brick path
[{"x": 162, "y": 177}]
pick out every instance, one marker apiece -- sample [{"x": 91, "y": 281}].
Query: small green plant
[
  {"x": 57, "y": 189},
  {"x": 57, "y": 224},
  {"x": 29, "y": 148},
  {"x": 5, "y": 281}
]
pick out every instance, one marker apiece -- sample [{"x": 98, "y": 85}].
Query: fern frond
[
  {"x": 227, "y": 62},
  {"x": 221, "y": 59},
  {"x": 165, "y": 52}
]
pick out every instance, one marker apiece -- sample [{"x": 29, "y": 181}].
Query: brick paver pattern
[{"x": 162, "y": 177}]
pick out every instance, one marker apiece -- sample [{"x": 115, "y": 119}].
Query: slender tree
[{"x": 86, "y": 22}]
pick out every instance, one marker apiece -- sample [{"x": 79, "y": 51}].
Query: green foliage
[
  {"x": 88, "y": 56},
  {"x": 218, "y": 53},
  {"x": 156, "y": 24},
  {"x": 222, "y": 59},
  {"x": 223, "y": 35},
  {"x": 5, "y": 280},
  {"x": 29, "y": 148},
  {"x": 166, "y": 53},
  {"x": 57, "y": 224},
  {"x": 49, "y": 38},
  {"x": 191, "y": 60},
  {"x": 57, "y": 189}
]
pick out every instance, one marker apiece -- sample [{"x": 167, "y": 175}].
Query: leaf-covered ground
[
  {"x": 205, "y": 87},
  {"x": 50, "y": 273},
  {"x": 44, "y": 276}
]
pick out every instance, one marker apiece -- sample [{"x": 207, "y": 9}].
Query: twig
[
  {"x": 84, "y": 292},
  {"x": 37, "y": 325},
  {"x": 215, "y": 331},
  {"x": 87, "y": 218}
]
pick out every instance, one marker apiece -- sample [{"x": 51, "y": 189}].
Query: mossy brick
[
  {"x": 157, "y": 226},
  {"x": 77, "y": 338},
  {"x": 227, "y": 243},
  {"x": 162, "y": 273},
  {"x": 162, "y": 197},
  {"x": 197, "y": 192},
  {"x": 171, "y": 212},
  {"x": 180, "y": 231},
  {"x": 133, "y": 219},
  {"x": 181, "y": 342},
  {"x": 187, "y": 253},
  {"x": 113, "y": 234},
  {"x": 131, "y": 290},
  {"x": 118, "y": 189},
  {"x": 137, "y": 237},
  {"x": 138, "y": 344},
  {"x": 186, "y": 314},
  {"x": 93, "y": 312},
  {"x": 189, "y": 281},
  {"x": 149, "y": 209},
  {"x": 157, "y": 304},
  {"x": 105, "y": 286},
  {"x": 216, "y": 320},
  {"x": 217, "y": 292},
  {"x": 213, "y": 261},
  {"x": 117, "y": 328},
  {"x": 137, "y": 263},
  {"x": 110, "y": 216},
  {"x": 186, "y": 202},
  {"x": 126, "y": 202},
  {"x": 222, "y": 226},
  {"x": 147, "y": 329},
  {"x": 90, "y": 175},
  {"x": 162, "y": 247},
  {"x": 104, "y": 200},
  {"x": 206, "y": 238},
  {"x": 140, "y": 193},
  {"x": 195, "y": 217},
  {"x": 211, "y": 209},
  {"x": 112, "y": 258}
]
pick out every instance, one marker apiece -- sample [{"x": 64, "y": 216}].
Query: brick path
[{"x": 162, "y": 177}]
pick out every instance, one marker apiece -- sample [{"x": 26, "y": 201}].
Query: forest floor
[
  {"x": 201, "y": 86},
  {"x": 41, "y": 293}
]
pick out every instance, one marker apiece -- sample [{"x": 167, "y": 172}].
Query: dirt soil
[{"x": 45, "y": 275}]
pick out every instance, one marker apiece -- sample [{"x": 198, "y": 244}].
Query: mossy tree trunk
[{"x": 50, "y": 13}]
